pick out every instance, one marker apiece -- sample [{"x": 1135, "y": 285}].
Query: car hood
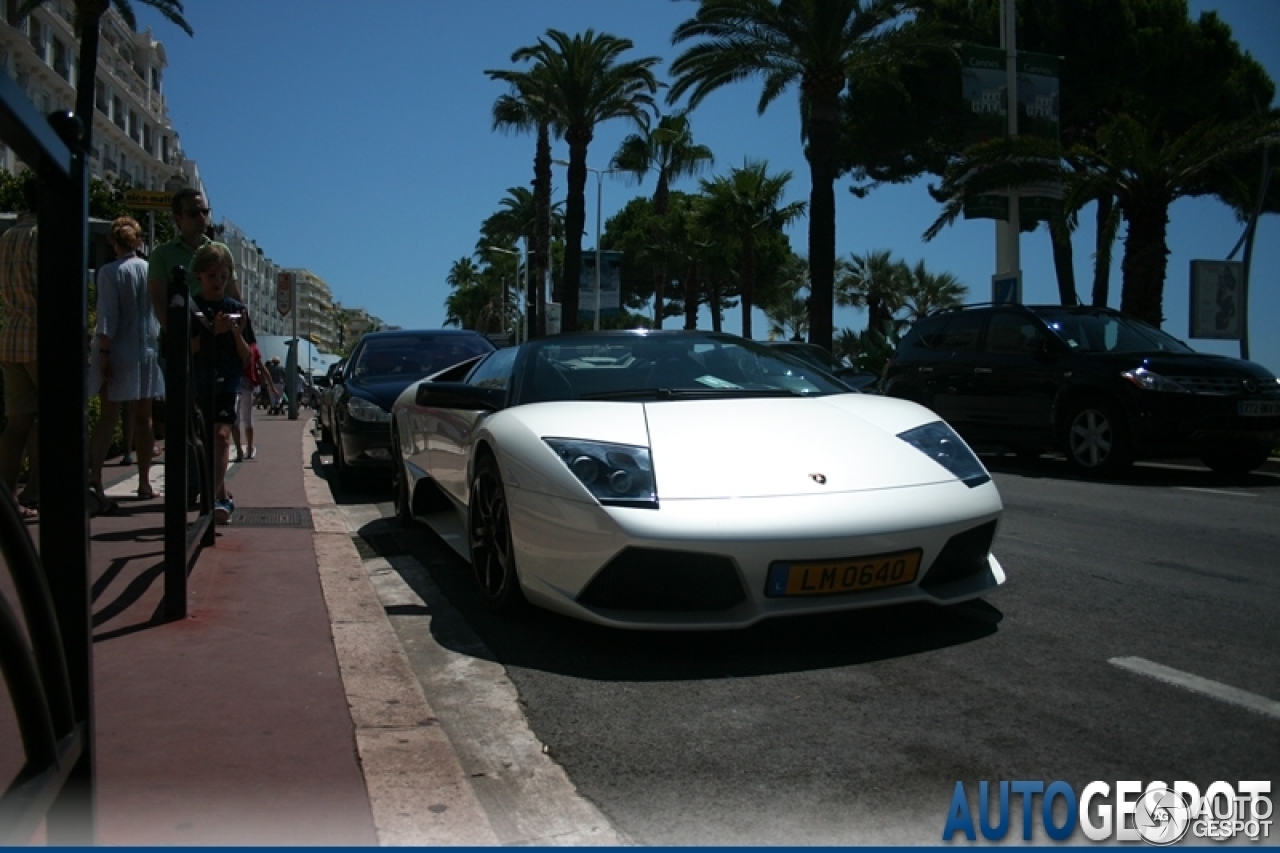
[
  {"x": 721, "y": 448},
  {"x": 1185, "y": 364}
]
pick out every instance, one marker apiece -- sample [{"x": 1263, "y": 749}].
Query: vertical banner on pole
[{"x": 284, "y": 292}]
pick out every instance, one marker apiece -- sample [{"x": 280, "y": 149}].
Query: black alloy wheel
[
  {"x": 347, "y": 476},
  {"x": 492, "y": 555},
  {"x": 1095, "y": 440}
]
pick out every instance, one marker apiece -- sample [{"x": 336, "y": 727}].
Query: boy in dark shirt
[{"x": 233, "y": 335}]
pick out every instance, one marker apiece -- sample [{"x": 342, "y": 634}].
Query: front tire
[
  {"x": 1096, "y": 440},
  {"x": 1236, "y": 459},
  {"x": 492, "y": 552}
]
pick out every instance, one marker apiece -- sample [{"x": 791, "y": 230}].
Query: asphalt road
[{"x": 854, "y": 729}]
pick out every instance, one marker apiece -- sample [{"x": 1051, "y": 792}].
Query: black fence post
[
  {"x": 177, "y": 418},
  {"x": 61, "y": 317}
]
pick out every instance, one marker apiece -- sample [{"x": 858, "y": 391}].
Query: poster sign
[
  {"x": 610, "y": 284},
  {"x": 1217, "y": 300},
  {"x": 284, "y": 292},
  {"x": 984, "y": 87},
  {"x": 1006, "y": 288}
]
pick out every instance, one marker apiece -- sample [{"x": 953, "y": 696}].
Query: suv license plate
[
  {"x": 830, "y": 577},
  {"x": 1260, "y": 408}
]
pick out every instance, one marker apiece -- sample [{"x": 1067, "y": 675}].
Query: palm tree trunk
[
  {"x": 824, "y": 138},
  {"x": 1063, "y": 265},
  {"x": 661, "y": 199},
  {"x": 747, "y": 283},
  {"x": 575, "y": 218},
  {"x": 1146, "y": 259},
  {"x": 540, "y": 246},
  {"x": 691, "y": 289},
  {"x": 714, "y": 298},
  {"x": 1103, "y": 240}
]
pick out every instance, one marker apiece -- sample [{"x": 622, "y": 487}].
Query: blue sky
[{"x": 355, "y": 139}]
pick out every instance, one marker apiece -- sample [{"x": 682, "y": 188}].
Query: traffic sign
[
  {"x": 284, "y": 292},
  {"x": 1006, "y": 288},
  {"x": 148, "y": 199}
]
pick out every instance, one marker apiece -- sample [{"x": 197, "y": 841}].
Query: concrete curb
[{"x": 418, "y": 792}]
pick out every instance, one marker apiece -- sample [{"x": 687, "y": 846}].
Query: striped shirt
[{"x": 18, "y": 291}]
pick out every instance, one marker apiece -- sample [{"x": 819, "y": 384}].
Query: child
[{"x": 233, "y": 337}]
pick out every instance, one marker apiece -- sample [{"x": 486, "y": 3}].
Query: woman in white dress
[{"x": 125, "y": 361}]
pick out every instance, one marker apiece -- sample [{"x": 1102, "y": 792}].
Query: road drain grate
[{"x": 274, "y": 516}]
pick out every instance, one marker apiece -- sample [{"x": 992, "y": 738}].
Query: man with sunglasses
[{"x": 192, "y": 216}]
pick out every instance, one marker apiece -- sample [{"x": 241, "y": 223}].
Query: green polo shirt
[{"x": 176, "y": 253}]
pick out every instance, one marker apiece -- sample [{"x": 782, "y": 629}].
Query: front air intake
[
  {"x": 656, "y": 580},
  {"x": 964, "y": 556}
]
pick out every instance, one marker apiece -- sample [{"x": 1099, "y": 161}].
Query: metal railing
[
  {"x": 51, "y": 684},
  {"x": 189, "y": 438}
]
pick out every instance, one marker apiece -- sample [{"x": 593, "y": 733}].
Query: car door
[
  {"x": 1015, "y": 377},
  {"x": 452, "y": 431},
  {"x": 950, "y": 383}
]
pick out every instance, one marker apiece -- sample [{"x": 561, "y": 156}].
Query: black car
[
  {"x": 1102, "y": 387},
  {"x": 381, "y": 366},
  {"x": 855, "y": 377},
  {"x": 324, "y": 405}
]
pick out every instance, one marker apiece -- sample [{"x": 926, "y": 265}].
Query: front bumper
[{"x": 565, "y": 551}]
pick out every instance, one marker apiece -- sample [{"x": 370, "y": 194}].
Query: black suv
[{"x": 1101, "y": 387}]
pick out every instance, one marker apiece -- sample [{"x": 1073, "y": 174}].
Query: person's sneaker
[
  {"x": 253, "y": 454},
  {"x": 222, "y": 511},
  {"x": 127, "y": 459}
]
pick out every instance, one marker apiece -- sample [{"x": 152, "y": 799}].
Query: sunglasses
[{"x": 198, "y": 211}]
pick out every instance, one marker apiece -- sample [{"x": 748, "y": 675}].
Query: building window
[
  {"x": 134, "y": 133},
  {"x": 36, "y": 31},
  {"x": 100, "y": 97},
  {"x": 117, "y": 112},
  {"x": 61, "y": 60}
]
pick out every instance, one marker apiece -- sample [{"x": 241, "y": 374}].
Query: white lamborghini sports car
[{"x": 674, "y": 480}]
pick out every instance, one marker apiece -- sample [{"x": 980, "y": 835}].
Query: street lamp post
[
  {"x": 599, "y": 173},
  {"x": 528, "y": 300}
]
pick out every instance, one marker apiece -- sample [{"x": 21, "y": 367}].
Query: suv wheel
[
  {"x": 1236, "y": 459},
  {"x": 1095, "y": 439}
]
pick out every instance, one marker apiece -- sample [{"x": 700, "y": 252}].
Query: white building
[{"x": 133, "y": 138}]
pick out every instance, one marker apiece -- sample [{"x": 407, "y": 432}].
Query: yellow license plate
[{"x": 831, "y": 577}]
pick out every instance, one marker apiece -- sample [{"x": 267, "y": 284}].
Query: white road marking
[
  {"x": 1216, "y": 492},
  {"x": 1196, "y": 684}
]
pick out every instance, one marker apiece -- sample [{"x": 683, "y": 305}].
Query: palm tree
[
  {"x": 87, "y": 16},
  {"x": 876, "y": 282},
  {"x": 744, "y": 204},
  {"x": 1131, "y": 160},
  {"x": 527, "y": 107},
  {"x": 788, "y": 312},
  {"x": 924, "y": 292},
  {"x": 472, "y": 304},
  {"x": 669, "y": 150},
  {"x": 818, "y": 44},
  {"x": 582, "y": 81}
]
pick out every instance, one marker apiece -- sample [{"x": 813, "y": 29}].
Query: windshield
[
  {"x": 410, "y": 357},
  {"x": 1107, "y": 332},
  {"x": 660, "y": 366}
]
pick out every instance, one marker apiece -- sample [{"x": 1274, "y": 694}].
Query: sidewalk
[{"x": 261, "y": 719}]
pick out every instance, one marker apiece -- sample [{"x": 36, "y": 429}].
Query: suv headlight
[
  {"x": 365, "y": 410},
  {"x": 940, "y": 443},
  {"x": 1150, "y": 381},
  {"x": 615, "y": 474}
]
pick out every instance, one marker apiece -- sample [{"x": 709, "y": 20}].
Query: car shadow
[
  {"x": 1172, "y": 474},
  {"x": 545, "y": 641}
]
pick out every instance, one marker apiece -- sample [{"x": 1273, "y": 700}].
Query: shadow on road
[{"x": 546, "y": 641}]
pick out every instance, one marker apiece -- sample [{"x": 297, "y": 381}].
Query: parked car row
[{"x": 667, "y": 480}]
